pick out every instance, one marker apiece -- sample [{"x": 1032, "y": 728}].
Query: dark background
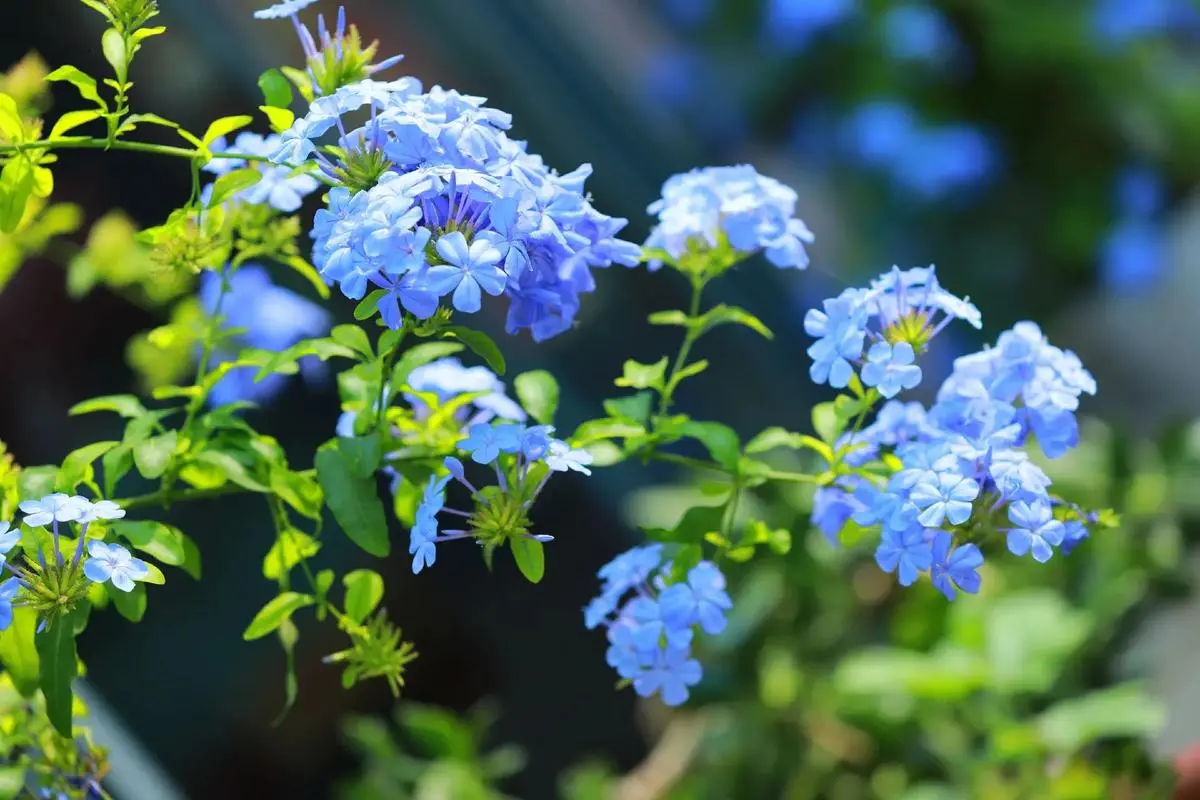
[{"x": 641, "y": 92}]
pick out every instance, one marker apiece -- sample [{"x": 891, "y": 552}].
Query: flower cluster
[
  {"x": 720, "y": 215},
  {"x": 269, "y": 317},
  {"x": 279, "y": 187},
  {"x": 523, "y": 458},
  {"x": 436, "y": 200},
  {"x": 54, "y": 586},
  {"x": 650, "y": 634},
  {"x": 899, "y": 314},
  {"x": 963, "y": 463}
]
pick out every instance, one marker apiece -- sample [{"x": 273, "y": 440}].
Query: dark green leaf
[
  {"x": 644, "y": 376},
  {"x": 59, "y": 662},
  {"x": 361, "y": 454},
  {"x": 530, "y": 557},
  {"x": 163, "y": 542},
  {"x": 418, "y": 355},
  {"x": 695, "y": 524},
  {"x": 635, "y": 407},
  {"x": 354, "y": 502},
  {"x": 364, "y": 591},
  {"x": 276, "y": 90},
  {"x": 130, "y": 605},
  {"x": 274, "y": 613},
  {"x": 720, "y": 440},
  {"x": 538, "y": 392},
  {"x": 481, "y": 345},
  {"x": 191, "y": 557},
  {"x": 153, "y": 455}
]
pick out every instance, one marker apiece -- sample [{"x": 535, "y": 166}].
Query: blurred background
[{"x": 1042, "y": 155}]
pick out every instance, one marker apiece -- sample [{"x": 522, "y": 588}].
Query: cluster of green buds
[{"x": 334, "y": 60}]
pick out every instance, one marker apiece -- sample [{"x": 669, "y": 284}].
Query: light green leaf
[
  {"x": 153, "y": 455},
  {"x": 112, "y": 44},
  {"x": 826, "y": 423},
  {"x": 85, "y": 84},
  {"x": 367, "y": 307},
  {"x": 635, "y": 407},
  {"x": 163, "y": 542},
  {"x": 299, "y": 491},
  {"x": 16, "y": 185},
  {"x": 481, "y": 345},
  {"x": 231, "y": 183},
  {"x": 644, "y": 376},
  {"x": 1028, "y": 657},
  {"x": 275, "y": 613},
  {"x": 289, "y": 634},
  {"x": 1118, "y": 711},
  {"x": 124, "y": 404},
  {"x": 77, "y": 466},
  {"x": 223, "y": 127},
  {"x": 290, "y": 548},
  {"x": 364, "y": 591},
  {"x": 18, "y": 651},
  {"x": 309, "y": 273},
  {"x": 946, "y": 674},
  {"x": 355, "y": 338},
  {"x": 280, "y": 119},
  {"x": 276, "y": 90},
  {"x": 155, "y": 575},
  {"x": 672, "y": 317},
  {"x": 72, "y": 120},
  {"x": 419, "y": 355},
  {"x": 354, "y": 502},
  {"x": 10, "y": 119},
  {"x": 720, "y": 440},
  {"x": 774, "y": 437},
  {"x": 530, "y": 557},
  {"x": 538, "y": 392},
  {"x": 130, "y": 605},
  {"x": 235, "y": 471},
  {"x": 723, "y": 315}
]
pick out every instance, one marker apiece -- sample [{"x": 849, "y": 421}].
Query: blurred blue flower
[
  {"x": 918, "y": 32},
  {"x": 285, "y": 9},
  {"x": 945, "y": 159},
  {"x": 1133, "y": 255},
  {"x": 879, "y": 132},
  {"x": 272, "y": 317},
  {"x": 278, "y": 187},
  {"x": 1120, "y": 22},
  {"x": 1139, "y": 192},
  {"x": 791, "y": 25},
  {"x": 702, "y": 599},
  {"x": 688, "y": 13}
]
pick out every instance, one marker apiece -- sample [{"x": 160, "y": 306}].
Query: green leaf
[
  {"x": 481, "y": 345},
  {"x": 290, "y": 548},
  {"x": 1118, "y": 711},
  {"x": 153, "y": 455},
  {"x": 299, "y": 491},
  {"x": 595, "y": 430},
  {"x": 418, "y": 355},
  {"x": 723, "y": 315},
  {"x": 72, "y": 120},
  {"x": 289, "y": 634},
  {"x": 696, "y": 523},
  {"x": 77, "y": 466},
  {"x": 116, "y": 464},
  {"x": 361, "y": 454},
  {"x": 223, "y": 127},
  {"x": 644, "y": 376},
  {"x": 112, "y": 44},
  {"x": 1027, "y": 657},
  {"x": 437, "y": 731},
  {"x": 946, "y": 674},
  {"x": 354, "y": 502},
  {"x": 85, "y": 84},
  {"x": 538, "y": 392},
  {"x": 694, "y": 368},
  {"x": 275, "y": 613},
  {"x": 635, "y": 407},
  {"x": 16, "y": 185},
  {"x": 364, "y": 591},
  {"x": 191, "y": 557},
  {"x": 355, "y": 338},
  {"x": 234, "y": 470},
  {"x": 18, "y": 651},
  {"x": 530, "y": 557},
  {"x": 280, "y": 118},
  {"x": 276, "y": 89},
  {"x": 11, "y": 125},
  {"x": 720, "y": 440},
  {"x": 59, "y": 662},
  {"x": 231, "y": 183},
  {"x": 154, "y": 575},
  {"x": 36, "y": 481},
  {"x": 367, "y": 307},
  {"x": 672, "y": 317},
  {"x": 163, "y": 542},
  {"x": 775, "y": 437},
  {"x": 130, "y": 605},
  {"x": 827, "y": 423},
  {"x": 124, "y": 404},
  {"x": 309, "y": 273}
]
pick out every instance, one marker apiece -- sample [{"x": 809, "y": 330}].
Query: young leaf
[
  {"x": 289, "y": 634},
  {"x": 154, "y": 454},
  {"x": 309, "y": 273},
  {"x": 59, "y": 662},
  {"x": 353, "y": 337},
  {"x": 163, "y": 542},
  {"x": 720, "y": 440},
  {"x": 223, "y": 127},
  {"x": 275, "y": 613},
  {"x": 72, "y": 120},
  {"x": 530, "y": 557},
  {"x": 419, "y": 355},
  {"x": 280, "y": 119},
  {"x": 290, "y": 548},
  {"x": 538, "y": 393},
  {"x": 635, "y": 407},
  {"x": 482, "y": 345},
  {"x": 231, "y": 183},
  {"x": 644, "y": 376},
  {"x": 723, "y": 314},
  {"x": 85, "y": 84},
  {"x": 364, "y": 591},
  {"x": 277, "y": 92},
  {"x": 124, "y": 404},
  {"x": 77, "y": 466},
  {"x": 112, "y": 44},
  {"x": 16, "y": 185},
  {"x": 367, "y": 307},
  {"x": 354, "y": 502},
  {"x": 130, "y": 605}
]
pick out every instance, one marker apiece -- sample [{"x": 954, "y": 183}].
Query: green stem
[
  {"x": 163, "y": 497},
  {"x": 689, "y": 339}
]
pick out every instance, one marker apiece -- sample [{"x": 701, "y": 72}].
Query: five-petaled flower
[{"x": 113, "y": 562}]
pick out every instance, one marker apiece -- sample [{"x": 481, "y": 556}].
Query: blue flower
[
  {"x": 52, "y": 508},
  {"x": 1037, "y": 530},
  {"x": 1133, "y": 255},
  {"x": 1119, "y": 22},
  {"x": 702, "y": 599},
  {"x": 905, "y": 549},
  {"x": 561, "y": 457},
  {"x": 468, "y": 269},
  {"x": 792, "y": 24},
  {"x": 653, "y": 626},
  {"x": 448, "y": 378},
  {"x": 832, "y": 509},
  {"x": 1139, "y": 192},
  {"x": 841, "y": 332},
  {"x": 880, "y": 132},
  {"x": 536, "y": 441},
  {"x": 8, "y": 591},
  {"x": 890, "y": 368},
  {"x": 277, "y": 188},
  {"x": 954, "y": 566},
  {"x": 422, "y": 545},
  {"x": 944, "y": 496},
  {"x": 485, "y": 442},
  {"x": 9, "y": 538},
  {"x": 753, "y": 213},
  {"x": 113, "y": 562},
  {"x": 670, "y": 673},
  {"x": 1074, "y": 532},
  {"x": 918, "y": 32},
  {"x": 946, "y": 159},
  {"x": 285, "y": 9}
]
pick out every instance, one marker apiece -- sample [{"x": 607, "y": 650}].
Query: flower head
[
  {"x": 954, "y": 567},
  {"x": 52, "y": 508}
]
